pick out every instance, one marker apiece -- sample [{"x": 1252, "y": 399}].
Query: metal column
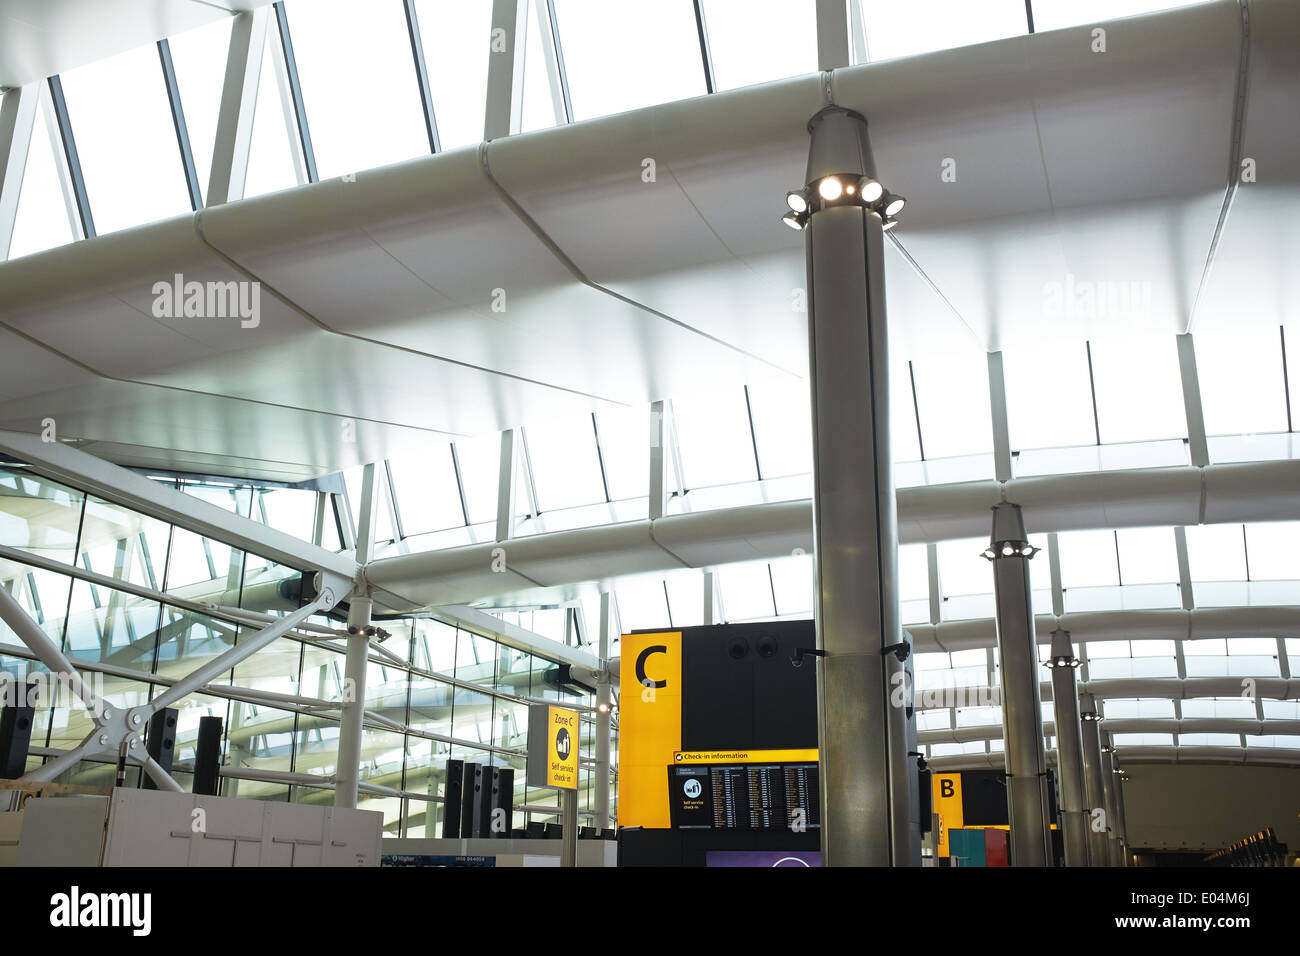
[
  {"x": 1022, "y": 713},
  {"x": 1098, "y": 848},
  {"x": 1121, "y": 821},
  {"x": 1069, "y": 749},
  {"x": 603, "y": 704},
  {"x": 906, "y": 799},
  {"x": 1114, "y": 851},
  {"x": 348, "y": 768},
  {"x": 569, "y": 828},
  {"x": 854, "y": 513}
]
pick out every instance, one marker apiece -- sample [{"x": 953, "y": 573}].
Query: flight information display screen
[{"x": 744, "y": 796}]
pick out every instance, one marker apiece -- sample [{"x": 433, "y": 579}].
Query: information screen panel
[{"x": 753, "y": 796}]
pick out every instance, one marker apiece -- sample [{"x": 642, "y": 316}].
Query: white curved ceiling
[{"x": 378, "y": 295}]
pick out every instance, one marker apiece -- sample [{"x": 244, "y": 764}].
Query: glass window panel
[
  {"x": 199, "y": 57},
  {"x": 427, "y": 495},
  {"x": 1048, "y": 416},
  {"x": 1147, "y": 555},
  {"x": 129, "y": 156},
  {"x": 261, "y": 738},
  {"x": 914, "y": 572},
  {"x": 543, "y": 107},
  {"x": 1152, "y": 648},
  {"x": 111, "y": 626},
  {"x": 1088, "y": 558},
  {"x": 457, "y": 44},
  {"x": 782, "y": 427},
  {"x": 904, "y": 29},
  {"x": 42, "y": 220},
  {"x": 952, "y": 394},
  {"x": 754, "y": 41},
  {"x": 1139, "y": 387},
  {"x": 746, "y": 591},
  {"x": 39, "y": 515},
  {"x": 1266, "y": 646},
  {"x": 1209, "y": 740},
  {"x": 1205, "y": 646},
  {"x": 188, "y": 713},
  {"x": 1056, "y": 14},
  {"x": 291, "y": 510},
  {"x": 641, "y": 604},
  {"x": 274, "y": 668},
  {"x": 476, "y": 658},
  {"x": 903, "y": 437},
  {"x": 480, "y": 470},
  {"x": 123, "y": 544},
  {"x": 686, "y": 598},
  {"x": 435, "y": 646},
  {"x": 471, "y": 718},
  {"x": 1216, "y": 552},
  {"x": 231, "y": 497},
  {"x": 42, "y": 594},
  {"x": 792, "y": 582},
  {"x": 566, "y": 467},
  {"x": 273, "y": 162},
  {"x": 1273, "y": 550},
  {"x": 713, "y": 433},
  {"x": 187, "y": 640},
  {"x": 1240, "y": 373},
  {"x": 619, "y": 58},
  {"x": 962, "y": 568},
  {"x": 359, "y": 87},
  {"x": 203, "y": 569},
  {"x": 322, "y": 672},
  {"x": 625, "y": 435}
]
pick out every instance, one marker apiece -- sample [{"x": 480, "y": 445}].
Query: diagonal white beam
[
  {"x": 17, "y": 123},
  {"x": 238, "y": 105}
]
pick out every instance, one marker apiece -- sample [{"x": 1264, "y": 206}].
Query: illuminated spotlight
[
  {"x": 602, "y": 708},
  {"x": 1061, "y": 662},
  {"x": 1028, "y": 551},
  {"x": 870, "y": 189},
  {"x": 1090, "y": 715},
  {"x": 894, "y": 205},
  {"x": 795, "y": 220},
  {"x": 850, "y": 189},
  {"x": 990, "y": 553},
  {"x": 1008, "y": 550},
  {"x": 830, "y": 188},
  {"x": 796, "y": 200}
]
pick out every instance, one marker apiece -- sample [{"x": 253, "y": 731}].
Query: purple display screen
[{"x": 797, "y": 858}]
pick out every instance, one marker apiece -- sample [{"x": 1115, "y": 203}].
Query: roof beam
[
  {"x": 238, "y": 102},
  {"x": 17, "y": 123}
]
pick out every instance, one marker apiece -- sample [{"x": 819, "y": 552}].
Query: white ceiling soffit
[
  {"x": 39, "y": 38},
  {"x": 565, "y": 559},
  {"x": 378, "y": 298}
]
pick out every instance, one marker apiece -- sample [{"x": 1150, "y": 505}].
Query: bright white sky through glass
[
  {"x": 754, "y": 41},
  {"x": 625, "y": 444},
  {"x": 426, "y": 490},
  {"x": 952, "y": 393},
  {"x": 1139, "y": 389},
  {"x": 42, "y": 219},
  {"x": 480, "y": 469},
  {"x": 713, "y": 432},
  {"x": 566, "y": 467},
  {"x": 271, "y": 155},
  {"x": 1043, "y": 414},
  {"x": 623, "y": 54},
  {"x": 457, "y": 41},
  {"x": 962, "y": 569},
  {"x": 1216, "y": 552},
  {"x": 905, "y": 27},
  {"x": 1273, "y": 548},
  {"x": 199, "y": 57},
  {"x": 782, "y": 427},
  {"x": 1240, "y": 372},
  {"x": 1147, "y": 556},
  {"x": 358, "y": 83},
  {"x": 1055, "y": 14},
  {"x": 126, "y": 140},
  {"x": 1088, "y": 559}
]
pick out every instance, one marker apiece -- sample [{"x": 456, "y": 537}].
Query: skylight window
[
  {"x": 457, "y": 41},
  {"x": 1057, "y": 14},
  {"x": 128, "y": 154},
  {"x": 622, "y": 55},
  {"x": 896, "y": 28},
  {"x": 359, "y": 86},
  {"x": 754, "y": 41}
]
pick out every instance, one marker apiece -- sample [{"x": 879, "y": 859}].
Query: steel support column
[
  {"x": 348, "y": 766},
  {"x": 1114, "y": 851},
  {"x": 855, "y": 535},
  {"x": 1121, "y": 822},
  {"x": 1098, "y": 822},
  {"x": 1069, "y": 749},
  {"x": 1022, "y": 713},
  {"x": 604, "y": 701}
]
